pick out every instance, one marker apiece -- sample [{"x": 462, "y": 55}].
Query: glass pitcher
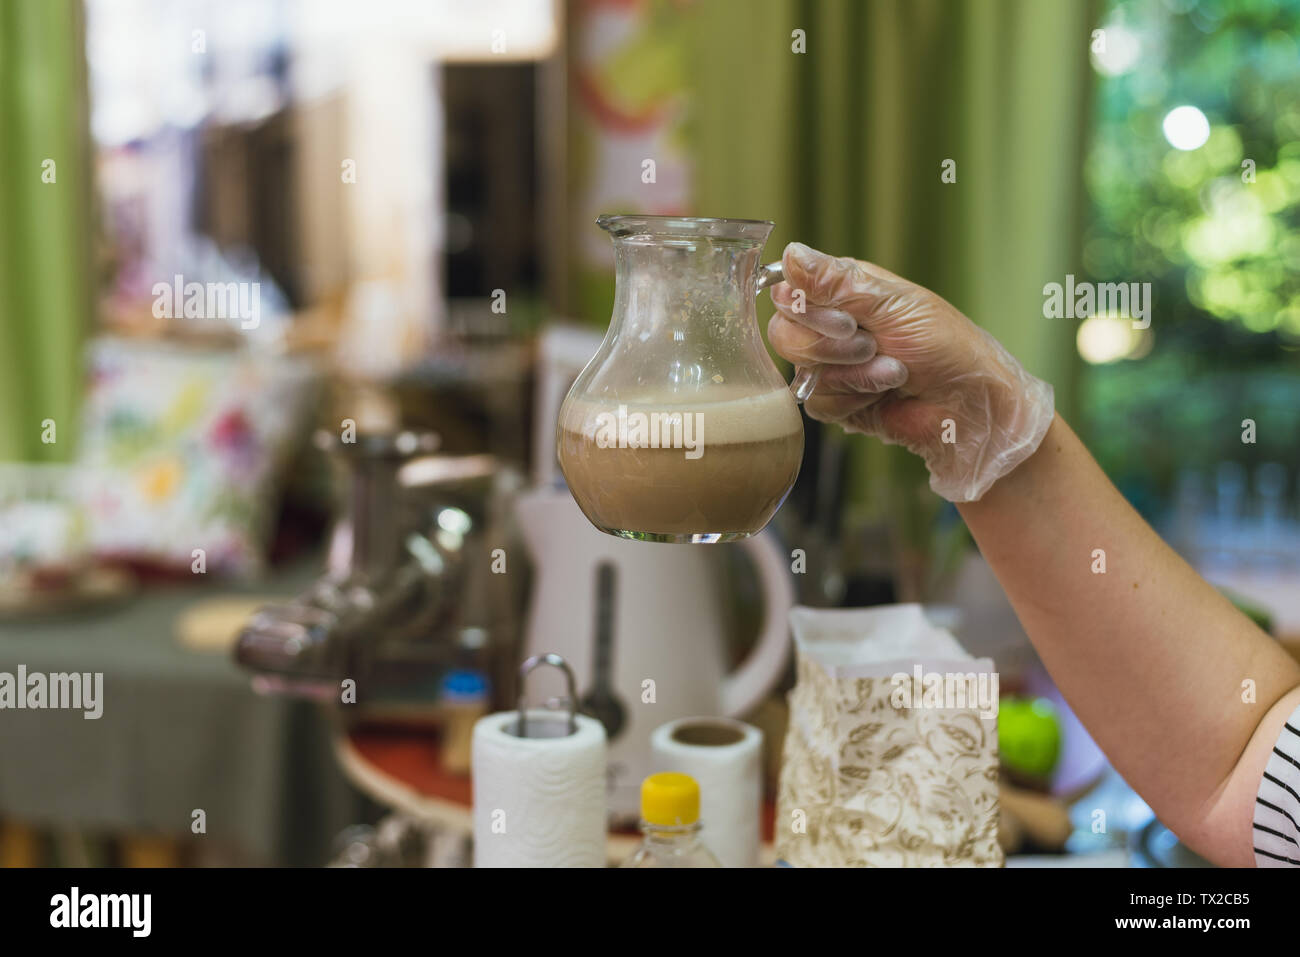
[{"x": 681, "y": 428}]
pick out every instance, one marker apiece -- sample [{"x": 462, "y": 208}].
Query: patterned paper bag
[{"x": 879, "y": 768}]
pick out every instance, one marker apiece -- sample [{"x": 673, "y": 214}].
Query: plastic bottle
[{"x": 670, "y": 821}]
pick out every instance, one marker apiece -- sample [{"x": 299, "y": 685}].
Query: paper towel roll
[
  {"x": 725, "y": 758},
  {"x": 539, "y": 801}
]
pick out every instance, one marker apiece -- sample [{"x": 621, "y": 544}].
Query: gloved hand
[{"x": 902, "y": 364}]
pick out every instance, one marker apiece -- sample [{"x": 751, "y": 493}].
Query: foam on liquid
[{"x": 732, "y": 418}]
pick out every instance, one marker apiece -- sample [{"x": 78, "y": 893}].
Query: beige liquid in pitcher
[{"x": 745, "y": 459}]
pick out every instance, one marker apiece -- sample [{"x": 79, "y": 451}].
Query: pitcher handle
[{"x": 805, "y": 377}]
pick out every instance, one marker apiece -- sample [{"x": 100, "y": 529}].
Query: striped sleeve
[{"x": 1277, "y": 804}]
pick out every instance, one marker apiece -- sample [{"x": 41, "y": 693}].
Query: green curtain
[
  {"x": 45, "y": 263},
  {"x": 843, "y": 145}
]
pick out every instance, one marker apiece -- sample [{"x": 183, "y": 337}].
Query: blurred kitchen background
[{"x": 404, "y": 192}]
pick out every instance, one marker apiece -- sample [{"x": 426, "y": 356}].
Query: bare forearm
[{"x": 1151, "y": 657}]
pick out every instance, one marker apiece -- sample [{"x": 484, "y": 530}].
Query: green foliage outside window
[{"x": 1215, "y": 230}]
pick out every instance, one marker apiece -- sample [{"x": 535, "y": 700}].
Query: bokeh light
[
  {"x": 1119, "y": 51},
  {"x": 1186, "y": 128},
  {"x": 1104, "y": 339}
]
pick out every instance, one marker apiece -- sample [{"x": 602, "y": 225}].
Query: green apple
[{"x": 1029, "y": 735}]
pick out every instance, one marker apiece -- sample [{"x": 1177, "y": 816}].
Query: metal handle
[
  {"x": 805, "y": 377},
  {"x": 604, "y": 623},
  {"x": 555, "y": 661}
]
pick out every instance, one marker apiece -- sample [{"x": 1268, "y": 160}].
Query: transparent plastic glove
[{"x": 902, "y": 364}]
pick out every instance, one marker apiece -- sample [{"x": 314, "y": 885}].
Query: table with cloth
[{"x": 181, "y": 730}]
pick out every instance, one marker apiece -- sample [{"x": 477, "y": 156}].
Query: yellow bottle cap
[{"x": 670, "y": 800}]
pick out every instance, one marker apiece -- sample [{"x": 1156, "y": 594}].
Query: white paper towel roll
[
  {"x": 730, "y": 777},
  {"x": 539, "y": 801}
]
